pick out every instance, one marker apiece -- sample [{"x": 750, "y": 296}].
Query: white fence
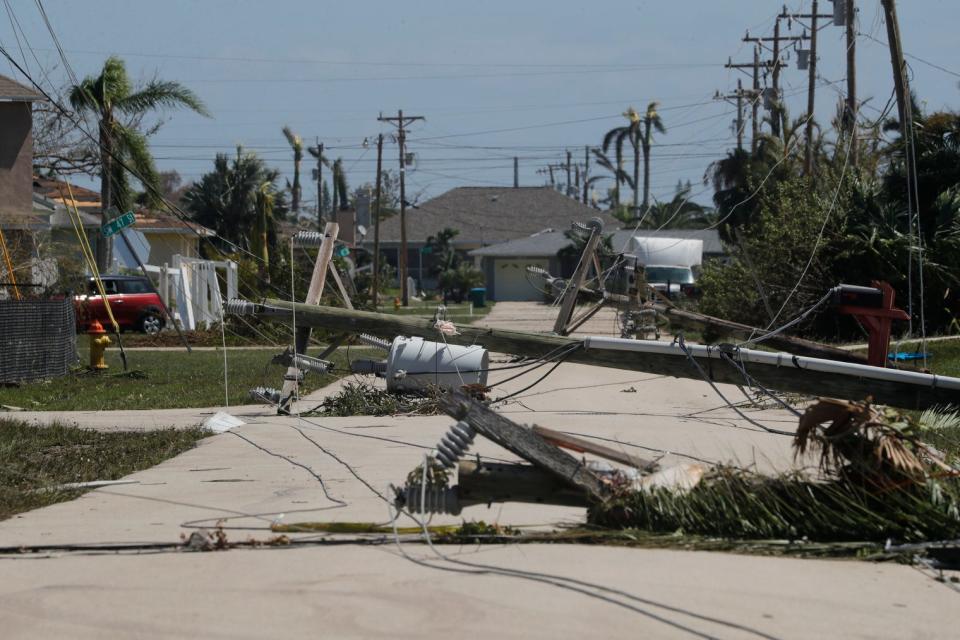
[{"x": 191, "y": 290}]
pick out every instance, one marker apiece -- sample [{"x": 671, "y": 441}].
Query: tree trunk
[
  {"x": 106, "y": 191},
  {"x": 616, "y": 182},
  {"x": 646, "y": 168},
  {"x": 295, "y": 195},
  {"x": 636, "y": 174}
]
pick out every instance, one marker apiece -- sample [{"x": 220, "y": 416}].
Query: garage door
[{"x": 510, "y": 279}]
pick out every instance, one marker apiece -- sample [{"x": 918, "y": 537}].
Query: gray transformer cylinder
[{"x": 415, "y": 364}]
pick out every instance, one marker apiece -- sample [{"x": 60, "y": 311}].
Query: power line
[{"x": 393, "y": 63}]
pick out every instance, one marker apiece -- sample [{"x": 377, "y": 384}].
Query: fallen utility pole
[
  {"x": 522, "y": 441},
  {"x": 691, "y": 319},
  {"x": 486, "y": 482},
  {"x": 780, "y": 371},
  {"x": 573, "y": 443},
  {"x": 291, "y": 380}
]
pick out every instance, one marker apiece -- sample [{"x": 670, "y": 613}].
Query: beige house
[
  {"x": 168, "y": 235},
  {"x": 483, "y": 216}
]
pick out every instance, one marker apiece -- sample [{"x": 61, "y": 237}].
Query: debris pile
[{"x": 877, "y": 480}]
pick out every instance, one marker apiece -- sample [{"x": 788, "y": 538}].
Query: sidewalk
[{"x": 358, "y": 591}]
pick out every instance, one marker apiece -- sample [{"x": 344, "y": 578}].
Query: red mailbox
[{"x": 873, "y": 308}]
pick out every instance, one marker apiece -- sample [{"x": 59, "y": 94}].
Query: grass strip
[{"x": 36, "y": 461}]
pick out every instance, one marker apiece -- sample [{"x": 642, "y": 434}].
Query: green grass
[
  {"x": 36, "y": 460},
  {"x": 943, "y": 356},
  {"x": 163, "y": 380},
  {"x": 946, "y": 357},
  {"x": 455, "y": 312}
]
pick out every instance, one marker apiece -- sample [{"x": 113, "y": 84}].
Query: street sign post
[{"x": 118, "y": 223}]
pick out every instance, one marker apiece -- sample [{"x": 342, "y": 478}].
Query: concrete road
[
  {"x": 247, "y": 479},
  {"x": 536, "y": 316}
]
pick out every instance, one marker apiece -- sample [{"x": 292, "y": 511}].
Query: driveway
[{"x": 539, "y": 317}]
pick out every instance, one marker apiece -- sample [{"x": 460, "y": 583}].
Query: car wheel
[{"x": 151, "y": 323}]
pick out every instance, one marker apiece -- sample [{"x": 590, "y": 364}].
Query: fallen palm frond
[
  {"x": 732, "y": 503},
  {"x": 879, "y": 480},
  {"x": 868, "y": 444},
  {"x": 362, "y": 399}
]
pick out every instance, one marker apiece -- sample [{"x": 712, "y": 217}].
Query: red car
[{"x": 132, "y": 300}]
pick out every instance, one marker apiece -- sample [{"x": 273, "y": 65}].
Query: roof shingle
[
  {"x": 11, "y": 90},
  {"x": 543, "y": 245},
  {"x": 489, "y": 215}
]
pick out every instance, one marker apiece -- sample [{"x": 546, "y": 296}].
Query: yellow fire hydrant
[{"x": 99, "y": 340}]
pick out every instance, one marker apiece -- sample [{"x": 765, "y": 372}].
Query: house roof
[
  {"x": 87, "y": 200},
  {"x": 149, "y": 221},
  {"x": 542, "y": 245},
  {"x": 489, "y": 215},
  {"x": 58, "y": 191},
  {"x": 13, "y": 91}
]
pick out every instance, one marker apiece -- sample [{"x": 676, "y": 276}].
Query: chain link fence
[{"x": 37, "y": 339}]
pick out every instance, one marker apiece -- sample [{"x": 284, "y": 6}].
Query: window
[
  {"x": 135, "y": 286},
  {"x": 678, "y": 275},
  {"x": 110, "y": 286}
]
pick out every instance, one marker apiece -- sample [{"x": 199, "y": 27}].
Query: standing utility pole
[
  {"x": 375, "y": 290},
  {"x": 401, "y": 122},
  {"x": 516, "y": 172},
  {"x": 811, "y": 92},
  {"x": 586, "y": 170},
  {"x": 569, "y": 182},
  {"x": 738, "y": 95},
  {"x": 739, "y": 114},
  {"x": 775, "y": 81},
  {"x": 755, "y": 65},
  {"x": 813, "y": 16},
  {"x": 319, "y": 185},
  {"x": 852, "y": 106},
  {"x": 901, "y": 85},
  {"x": 777, "y": 64}
]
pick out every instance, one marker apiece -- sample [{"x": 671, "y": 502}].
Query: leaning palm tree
[
  {"x": 615, "y": 138},
  {"x": 340, "y": 188},
  {"x": 317, "y": 152},
  {"x": 651, "y": 120},
  {"x": 633, "y": 134},
  {"x": 618, "y": 175},
  {"x": 263, "y": 201},
  {"x": 296, "y": 143},
  {"x": 119, "y": 107}
]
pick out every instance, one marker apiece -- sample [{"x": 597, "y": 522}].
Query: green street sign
[
  {"x": 426, "y": 249},
  {"x": 118, "y": 223}
]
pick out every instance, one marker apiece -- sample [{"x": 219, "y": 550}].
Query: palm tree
[
  {"x": 263, "y": 202},
  {"x": 633, "y": 134},
  {"x": 340, "y": 189},
  {"x": 678, "y": 213},
  {"x": 110, "y": 97},
  {"x": 296, "y": 143},
  {"x": 617, "y": 175},
  {"x": 232, "y": 200},
  {"x": 651, "y": 120},
  {"x": 317, "y": 152},
  {"x": 615, "y": 138}
]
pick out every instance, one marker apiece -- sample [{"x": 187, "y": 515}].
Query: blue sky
[{"x": 554, "y": 75}]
